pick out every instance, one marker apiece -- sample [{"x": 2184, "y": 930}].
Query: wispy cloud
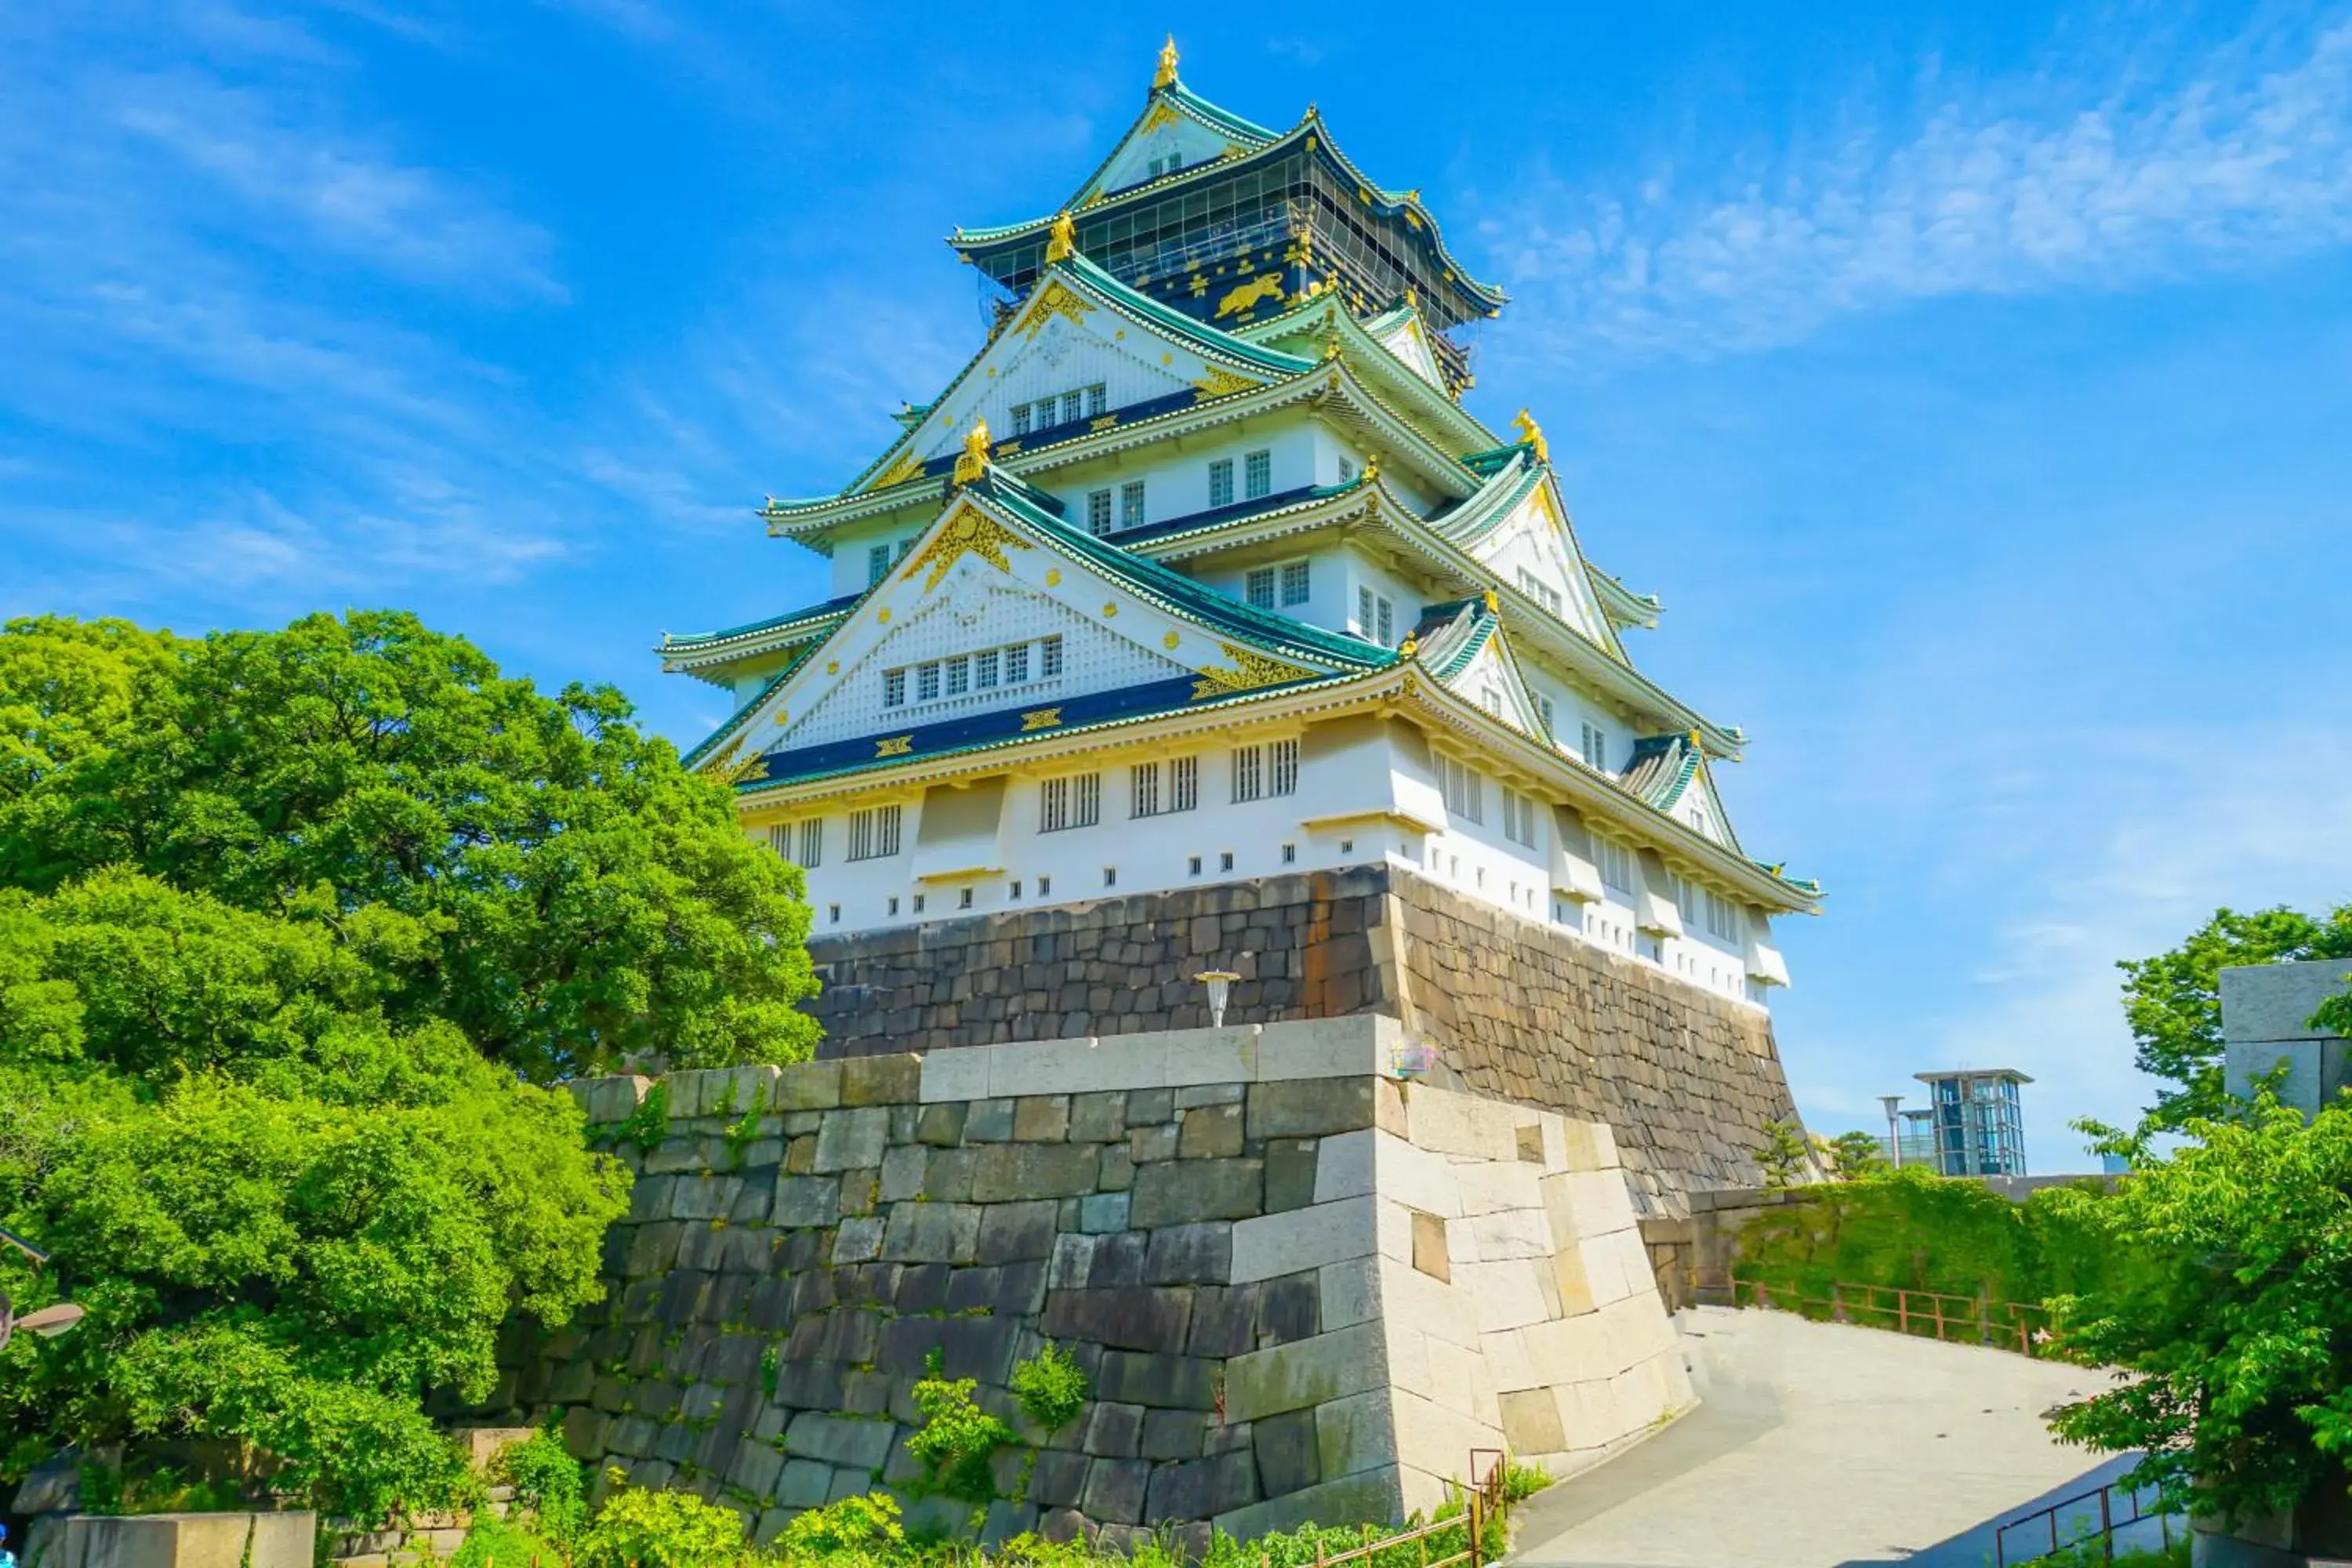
[{"x": 2245, "y": 157}]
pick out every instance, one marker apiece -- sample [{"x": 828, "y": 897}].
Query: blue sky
[{"x": 1973, "y": 382}]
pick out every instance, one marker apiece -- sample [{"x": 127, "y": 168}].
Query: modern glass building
[{"x": 1977, "y": 1124}]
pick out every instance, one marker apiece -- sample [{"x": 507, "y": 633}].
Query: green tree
[
  {"x": 1853, "y": 1155},
  {"x": 2235, "y": 1324},
  {"x": 2173, "y": 1001},
  {"x": 531, "y": 869},
  {"x": 1786, "y": 1154}
]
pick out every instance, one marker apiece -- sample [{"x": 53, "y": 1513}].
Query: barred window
[
  {"x": 1385, "y": 634},
  {"x": 1722, "y": 916},
  {"x": 1596, "y": 746},
  {"x": 1073, "y": 800},
  {"x": 1249, "y": 773},
  {"x": 893, "y": 688},
  {"x": 1183, "y": 782},
  {"x": 1016, "y": 664},
  {"x": 958, "y": 676},
  {"x": 1294, "y": 583},
  {"x": 927, "y": 682},
  {"x": 874, "y": 833},
  {"x": 1258, "y": 588},
  {"x": 1021, "y": 419},
  {"x": 1518, "y": 818},
  {"x": 1220, "y": 483},
  {"x": 878, "y": 563},
  {"x": 1074, "y": 405},
  {"x": 1616, "y": 863},
  {"x": 1097, "y": 401},
  {"x": 1130, "y": 504},
  {"x": 1049, "y": 658},
  {"x": 1463, "y": 790},
  {"x": 1098, "y": 512},
  {"x": 1157, "y": 788},
  {"x": 984, "y": 669},
  {"x": 1282, "y": 767},
  {"x": 1257, "y": 475},
  {"x": 1144, "y": 790},
  {"x": 808, "y": 851},
  {"x": 1266, "y": 770}
]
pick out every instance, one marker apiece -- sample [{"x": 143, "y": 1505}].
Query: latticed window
[
  {"x": 1074, "y": 404},
  {"x": 1282, "y": 767},
  {"x": 1049, "y": 658},
  {"x": 1073, "y": 800},
  {"x": 874, "y": 833},
  {"x": 1144, "y": 790},
  {"x": 1257, "y": 475},
  {"x": 1722, "y": 916},
  {"x": 1016, "y": 664},
  {"x": 1596, "y": 746},
  {"x": 1130, "y": 504},
  {"x": 1463, "y": 790},
  {"x": 893, "y": 688},
  {"x": 1249, "y": 773},
  {"x": 927, "y": 682},
  {"x": 1097, "y": 401},
  {"x": 1157, "y": 788},
  {"x": 1616, "y": 863},
  {"x": 984, "y": 669},
  {"x": 1098, "y": 512},
  {"x": 878, "y": 563},
  {"x": 958, "y": 675},
  {"x": 1021, "y": 419},
  {"x": 1519, "y": 818},
  {"x": 1294, "y": 582},
  {"x": 1220, "y": 482},
  {"x": 1258, "y": 588},
  {"x": 1183, "y": 783}
]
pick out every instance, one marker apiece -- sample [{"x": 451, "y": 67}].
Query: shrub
[
  {"x": 644, "y": 1527},
  {"x": 492, "y": 1541},
  {"x": 1521, "y": 1482},
  {"x": 956, "y": 1438},
  {"x": 547, "y": 1485},
  {"x": 1050, "y": 1387},
  {"x": 866, "y": 1525}
]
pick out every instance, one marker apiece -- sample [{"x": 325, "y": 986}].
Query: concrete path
[{"x": 1819, "y": 1445}]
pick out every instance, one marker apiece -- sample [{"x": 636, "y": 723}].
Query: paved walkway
[{"x": 1819, "y": 1445}]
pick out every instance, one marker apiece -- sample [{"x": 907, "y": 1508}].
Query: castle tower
[{"x": 1198, "y": 596}]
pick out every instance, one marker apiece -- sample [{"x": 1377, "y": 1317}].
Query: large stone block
[
  {"x": 1310, "y": 1237},
  {"x": 1286, "y": 1452},
  {"x": 881, "y": 1079},
  {"x": 1306, "y": 1374},
  {"x": 1012, "y": 1171},
  {"x": 1371, "y": 1496},
  {"x": 1309, "y": 1108},
  {"x": 1200, "y": 1489},
  {"x": 187, "y": 1540},
  {"x": 838, "y": 1440},
  {"x": 1017, "y": 1232},
  {"x": 852, "y": 1139},
  {"x": 1210, "y": 1132},
  {"x": 1190, "y": 1254},
  {"x": 808, "y": 1086},
  {"x": 1184, "y": 1192},
  {"x": 1141, "y": 1318},
  {"x": 1354, "y": 1433},
  {"x": 806, "y": 1201},
  {"x": 932, "y": 1233},
  {"x": 1114, "y": 1490}
]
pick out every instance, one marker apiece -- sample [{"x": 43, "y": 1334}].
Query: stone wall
[
  {"x": 1299, "y": 1286},
  {"x": 1519, "y": 1009}
]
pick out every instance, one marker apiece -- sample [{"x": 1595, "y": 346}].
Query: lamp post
[
  {"x": 47, "y": 1321},
  {"x": 1220, "y": 983},
  {"x": 1893, "y": 1128}
]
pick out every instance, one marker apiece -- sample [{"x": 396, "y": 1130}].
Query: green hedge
[{"x": 1920, "y": 1232}]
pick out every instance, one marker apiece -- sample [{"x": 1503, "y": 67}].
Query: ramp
[{"x": 1823, "y": 1446}]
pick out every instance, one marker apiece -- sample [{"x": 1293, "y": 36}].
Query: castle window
[
  {"x": 1049, "y": 658},
  {"x": 1021, "y": 419},
  {"x": 927, "y": 682},
  {"x": 878, "y": 563},
  {"x": 1596, "y": 746},
  {"x": 1290, "y": 854},
  {"x": 1722, "y": 916},
  {"x": 1347, "y": 470},
  {"x": 1015, "y": 891},
  {"x": 1541, "y": 592},
  {"x": 1098, "y": 512},
  {"x": 1463, "y": 790},
  {"x": 1097, "y": 401},
  {"x": 1257, "y": 475},
  {"x": 1224, "y": 859},
  {"x": 894, "y": 906},
  {"x": 1130, "y": 504},
  {"x": 1183, "y": 782},
  {"x": 1271, "y": 769},
  {"x": 958, "y": 676},
  {"x": 1074, "y": 405},
  {"x": 1294, "y": 583},
  {"x": 1518, "y": 818},
  {"x": 984, "y": 669},
  {"x": 963, "y": 899},
  {"x": 1144, "y": 790},
  {"x": 874, "y": 833},
  {"x": 893, "y": 688},
  {"x": 1074, "y": 800},
  {"x": 1220, "y": 483},
  {"x": 1157, "y": 788},
  {"x": 1046, "y": 406},
  {"x": 1616, "y": 863},
  {"x": 1044, "y": 887},
  {"x": 1282, "y": 767},
  {"x": 1375, "y": 616},
  {"x": 1543, "y": 711},
  {"x": 1257, "y": 588},
  {"x": 918, "y": 904},
  {"x": 833, "y": 913},
  {"x": 1249, "y": 773},
  {"x": 1192, "y": 865},
  {"x": 1016, "y": 664},
  {"x": 811, "y": 836},
  {"x": 1111, "y": 875}
]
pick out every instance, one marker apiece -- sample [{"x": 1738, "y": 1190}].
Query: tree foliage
[
  {"x": 2173, "y": 1001},
  {"x": 2236, "y": 1325},
  {"x": 292, "y": 925}
]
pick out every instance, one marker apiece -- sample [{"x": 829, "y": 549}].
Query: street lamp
[
  {"x": 1893, "y": 1128},
  {"x": 1220, "y": 983},
  {"x": 47, "y": 1321}
]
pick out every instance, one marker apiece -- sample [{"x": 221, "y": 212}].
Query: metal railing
[
  {"x": 2117, "y": 1508},
  {"x": 1483, "y": 1498},
  {"x": 1978, "y": 1320}
]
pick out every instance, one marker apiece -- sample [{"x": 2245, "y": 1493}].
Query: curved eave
[
  {"x": 970, "y": 243},
  {"x": 1358, "y": 346},
  {"x": 1608, "y": 670},
  {"x": 1621, "y": 603},
  {"x": 693, "y": 649},
  {"x": 1138, "y": 310}
]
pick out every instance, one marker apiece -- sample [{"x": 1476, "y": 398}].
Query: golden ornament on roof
[
  {"x": 1531, "y": 433},
  {"x": 973, "y": 460},
  {"x": 1061, "y": 239},
  {"x": 1166, "y": 74}
]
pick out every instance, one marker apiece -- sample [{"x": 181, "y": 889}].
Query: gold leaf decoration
[
  {"x": 1251, "y": 669},
  {"x": 1268, "y": 287},
  {"x": 908, "y": 467},
  {"x": 1223, "y": 383},
  {"x": 969, "y": 530},
  {"x": 1055, "y": 299},
  {"x": 1040, "y": 719},
  {"x": 1169, "y": 642},
  {"x": 895, "y": 746},
  {"x": 1162, "y": 113}
]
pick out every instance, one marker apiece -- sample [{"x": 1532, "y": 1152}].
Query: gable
[
  {"x": 992, "y": 578},
  {"x": 1532, "y": 551},
  {"x": 1164, "y": 133},
  {"x": 1490, "y": 678},
  {"x": 1699, "y": 807},
  {"x": 1410, "y": 344}
]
